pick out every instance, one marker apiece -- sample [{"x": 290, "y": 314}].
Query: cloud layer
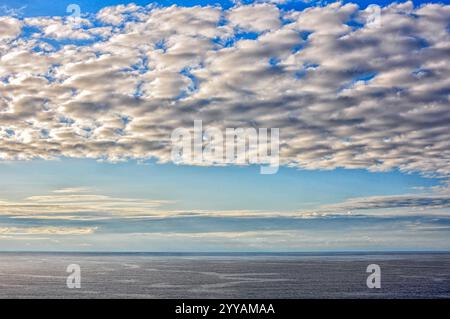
[
  {"x": 343, "y": 92},
  {"x": 56, "y": 222}
]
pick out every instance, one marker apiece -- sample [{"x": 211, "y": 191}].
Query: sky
[{"x": 88, "y": 106}]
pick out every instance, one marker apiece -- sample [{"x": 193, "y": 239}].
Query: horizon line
[{"x": 218, "y": 253}]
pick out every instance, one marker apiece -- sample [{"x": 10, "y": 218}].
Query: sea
[{"x": 218, "y": 275}]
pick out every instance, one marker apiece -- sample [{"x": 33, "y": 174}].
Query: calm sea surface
[{"x": 43, "y": 275}]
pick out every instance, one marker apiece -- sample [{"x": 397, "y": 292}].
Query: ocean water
[{"x": 43, "y": 275}]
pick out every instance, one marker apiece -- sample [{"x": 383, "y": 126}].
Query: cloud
[
  {"x": 99, "y": 220},
  {"x": 46, "y": 230},
  {"x": 10, "y": 11},
  {"x": 256, "y": 17},
  {"x": 116, "y": 15},
  {"x": 433, "y": 200},
  {"x": 343, "y": 93},
  {"x": 77, "y": 204},
  {"x": 61, "y": 28},
  {"x": 9, "y": 28},
  {"x": 71, "y": 190},
  {"x": 413, "y": 201}
]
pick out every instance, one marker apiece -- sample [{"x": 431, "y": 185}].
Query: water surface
[{"x": 43, "y": 275}]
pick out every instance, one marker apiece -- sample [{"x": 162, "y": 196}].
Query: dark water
[{"x": 258, "y": 276}]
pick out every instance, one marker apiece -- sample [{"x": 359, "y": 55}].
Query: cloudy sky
[{"x": 88, "y": 105}]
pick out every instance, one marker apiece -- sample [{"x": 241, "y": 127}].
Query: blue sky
[
  {"x": 206, "y": 187},
  {"x": 42, "y": 8},
  {"x": 86, "y": 113}
]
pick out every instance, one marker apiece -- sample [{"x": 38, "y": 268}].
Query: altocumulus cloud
[{"x": 342, "y": 92}]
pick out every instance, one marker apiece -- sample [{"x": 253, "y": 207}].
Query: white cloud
[
  {"x": 71, "y": 190},
  {"x": 256, "y": 17},
  {"x": 342, "y": 95},
  {"x": 79, "y": 204},
  {"x": 117, "y": 14},
  {"x": 9, "y": 28},
  {"x": 60, "y": 28},
  {"x": 75, "y": 201},
  {"x": 47, "y": 230}
]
